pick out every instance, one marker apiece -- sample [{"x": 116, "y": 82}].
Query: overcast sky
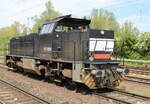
[{"x": 137, "y": 11}]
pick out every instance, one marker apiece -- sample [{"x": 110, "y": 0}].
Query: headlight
[
  {"x": 98, "y": 73},
  {"x": 102, "y": 32},
  {"x": 123, "y": 71}
]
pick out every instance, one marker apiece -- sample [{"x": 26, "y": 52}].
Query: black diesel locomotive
[{"x": 65, "y": 48}]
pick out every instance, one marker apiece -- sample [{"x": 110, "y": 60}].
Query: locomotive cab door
[
  {"x": 56, "y": 46},
  {"x": 46, "y": 37}
]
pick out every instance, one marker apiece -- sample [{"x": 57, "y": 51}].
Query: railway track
[
  {"x": 10, "y": 94},
  {"x": 16, "y": 95},
  {"x": 140, "y": 72},
  {"x": 138, "y": 80},
  {"x": 136, "y": 68},
  {"x": 123, "y": 97}
]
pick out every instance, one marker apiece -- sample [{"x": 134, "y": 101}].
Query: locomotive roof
[
  {"x": 68, "y": 20},
  {"x": 23, "y": 37}
]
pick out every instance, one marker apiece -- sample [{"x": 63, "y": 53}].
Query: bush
[{"x": 135, "y": 55}]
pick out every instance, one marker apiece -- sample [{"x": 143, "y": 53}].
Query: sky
[{"x": 136, "y": 11}]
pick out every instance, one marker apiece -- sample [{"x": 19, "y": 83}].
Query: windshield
[
  {"x": 48, "y": 28},
  {"x": 99, "y": 44}
]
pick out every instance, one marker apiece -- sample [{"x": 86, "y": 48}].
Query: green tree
[
  {"x": 128, "y": 33},
  {"x": 102, "y": 19},
  {"x": 143, "y": 45},
  {"x": 16, "y": 29},
  {"x": 48, "y": 14},
  {"x": 6, "y": 33}
]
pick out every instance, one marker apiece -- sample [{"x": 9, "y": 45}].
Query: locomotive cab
[
  {"x": 64, "y": 24},
  {"x": 94, "y": 44}
]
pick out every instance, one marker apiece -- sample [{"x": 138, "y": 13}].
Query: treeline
[
  {"x": 6, "y": 33},
  {"x": 136, "y": 44}
]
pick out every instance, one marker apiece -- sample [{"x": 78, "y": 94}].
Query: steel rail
[
  {"x": 137, "y": 81},
  {"x": 25, "y": 92},
  {"x": 130, "y": 94},
  {"x": 112, "y": 98},
  {"x": 135, "y": 68},
  {"x": 124, "y": 93},
  {"x": 142, "y": 80},
  {"x": 138, "y": 78}
]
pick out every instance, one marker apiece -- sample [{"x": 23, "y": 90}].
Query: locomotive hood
[{"x": 103, "y": 34}]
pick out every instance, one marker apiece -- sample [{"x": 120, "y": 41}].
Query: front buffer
[{"x": 107, "y": 77}]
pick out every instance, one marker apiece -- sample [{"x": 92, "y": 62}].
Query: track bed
[
  {"x": 123, "y": 97},
  {"x": 10, "y": 94}
]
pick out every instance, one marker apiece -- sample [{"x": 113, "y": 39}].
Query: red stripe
[{"x": 102, "y": 56}]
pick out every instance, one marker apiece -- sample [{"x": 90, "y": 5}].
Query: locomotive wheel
[
  {"x": 9, "y": 65},
  {"x": 20, "y": 70},
  {"x": 42, "y": 73},
  {"x": 70, "y": 85},
  {"x": 83, "y": 89},
  {"x": 50, "y": 79},
  {"x": 12, "y": 66}
]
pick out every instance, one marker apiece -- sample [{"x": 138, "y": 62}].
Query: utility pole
[{"x": 124, "y": 41}]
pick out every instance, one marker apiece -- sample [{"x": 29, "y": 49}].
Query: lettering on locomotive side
[{"x": 47, "y": 49}]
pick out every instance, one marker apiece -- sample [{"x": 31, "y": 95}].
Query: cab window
[
  {"x": 48, "y": 28},
  {"x": 61, "y": 28}
]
